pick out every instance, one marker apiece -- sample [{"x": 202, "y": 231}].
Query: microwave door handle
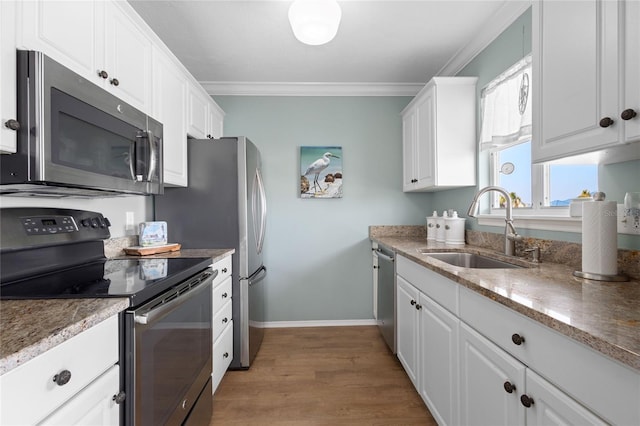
[
  {"x": 132, "y": 159},
  {"x": 153, "y": 157}
]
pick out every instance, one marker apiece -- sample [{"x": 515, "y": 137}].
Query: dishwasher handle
[{"x": 385, "y": 256}]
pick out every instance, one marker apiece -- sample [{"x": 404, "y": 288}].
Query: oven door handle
[{"x": 162, "y": 308}]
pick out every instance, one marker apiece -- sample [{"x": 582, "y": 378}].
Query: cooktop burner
[{"x": 136, "y": 279}]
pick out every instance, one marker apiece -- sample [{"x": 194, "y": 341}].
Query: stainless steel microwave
[{"x": 75, "y": 138}]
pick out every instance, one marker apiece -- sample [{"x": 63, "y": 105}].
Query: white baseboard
[{"x": 318, "y": 323}]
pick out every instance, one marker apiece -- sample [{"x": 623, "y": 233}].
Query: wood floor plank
[{"x": 320, "y": 376}]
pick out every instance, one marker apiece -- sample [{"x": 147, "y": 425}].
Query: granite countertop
[
  {"x": 32, "y": 327},
  {"x": 602, "y": 315},
  {"x": 29, "y": 328}
]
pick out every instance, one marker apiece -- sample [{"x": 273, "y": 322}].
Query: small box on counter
[{"x": 153, "y": 234}]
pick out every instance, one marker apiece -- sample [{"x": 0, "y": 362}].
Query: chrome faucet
[{"x": 510, "y": 234}]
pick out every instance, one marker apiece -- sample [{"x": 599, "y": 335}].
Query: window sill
[{"x": 546, "y": 223}]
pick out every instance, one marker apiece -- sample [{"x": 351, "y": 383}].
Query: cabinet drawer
[
  {"x": 221, "y": 295},
  {"x": 221, "y": 320},
  {"x": 94, "y": 405},
  {"x": 606, "y": 387},
  {"x": 28, "y": 392},
  {"x": 224, "y": 270},
  {"x": 222, "y": 355},
  {"x": 439, "y": 288}
]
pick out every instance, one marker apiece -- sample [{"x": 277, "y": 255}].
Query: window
[{"x": 505, "y": 143}]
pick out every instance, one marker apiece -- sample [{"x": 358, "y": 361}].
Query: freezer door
[{"x": 254, "y": 209}]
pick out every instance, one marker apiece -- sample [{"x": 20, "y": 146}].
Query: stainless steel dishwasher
[{"x": 386, "y": 295}]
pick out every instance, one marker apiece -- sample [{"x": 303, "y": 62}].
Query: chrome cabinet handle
[
  {"x": 103, "y": 74},
  {"x": 224, "y": 295},
  {"x": 225, "y": 355},
  {"x": 225, "y": 320},
  {"x": 114, "y": 81}
]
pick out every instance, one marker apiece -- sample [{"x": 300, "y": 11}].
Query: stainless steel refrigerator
[{"x": 224, "y": 206}]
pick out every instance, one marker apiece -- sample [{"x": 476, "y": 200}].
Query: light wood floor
[{"x": 320, "y": 376}]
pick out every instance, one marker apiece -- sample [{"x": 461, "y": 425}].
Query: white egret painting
[{"x": 321, "y": 172}]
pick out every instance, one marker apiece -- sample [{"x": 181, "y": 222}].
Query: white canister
[
  {"x": 440, "y": 237},
  {"x": 431, "y": 226},
  {"x": 454, "y": 229}
]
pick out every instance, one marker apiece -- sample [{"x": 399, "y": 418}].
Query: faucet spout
[{"x": 510, "y": 233}]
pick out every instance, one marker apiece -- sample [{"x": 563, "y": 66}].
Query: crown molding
[
  {"x": 249, "y": 88},
  {"x": 505, "y": 16}
]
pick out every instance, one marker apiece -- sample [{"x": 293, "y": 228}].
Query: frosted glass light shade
[{"x": 315, "y": 22}]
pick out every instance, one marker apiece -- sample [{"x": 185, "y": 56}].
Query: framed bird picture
[{"x": 320, "y": 172}]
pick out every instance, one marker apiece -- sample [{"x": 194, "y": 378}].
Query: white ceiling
[{"x": 230, "y": 45}]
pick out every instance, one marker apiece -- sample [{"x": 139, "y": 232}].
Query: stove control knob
[
  {"x": 107, "y": 222},
  {"x": 102, "y": 222},
  {"x": 94, "y": 222},
  {"x": 85, "y": 222}
]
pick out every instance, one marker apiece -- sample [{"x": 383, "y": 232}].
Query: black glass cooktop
[{"x": 137, "y": 279}]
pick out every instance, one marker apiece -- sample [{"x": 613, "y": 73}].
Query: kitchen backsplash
[
  {"x": 552, "y": 251},
  {"x": 114, "y": 246}
]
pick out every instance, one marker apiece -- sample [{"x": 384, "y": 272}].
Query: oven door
[{"x": 168, "y": 349}]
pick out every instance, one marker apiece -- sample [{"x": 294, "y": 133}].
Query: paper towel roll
[{"x": 599, "y": 238}]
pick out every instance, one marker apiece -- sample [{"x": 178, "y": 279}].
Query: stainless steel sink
[{"x": 472, "y": 260}]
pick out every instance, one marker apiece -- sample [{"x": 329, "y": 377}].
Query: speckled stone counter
[
  {"x": 602, "y": 315},
  {"x": 214, "y": 254},
  {"x": 29, "y": 328}
]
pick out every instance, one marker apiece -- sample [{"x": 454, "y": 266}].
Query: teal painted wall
[
  {"x": 615, "y": 179},
  {"x": 317, "y": 250}
]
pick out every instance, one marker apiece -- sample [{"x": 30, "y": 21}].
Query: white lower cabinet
[
  {"x": 477, "y": 362},
  {"x": 486, "y": 375},
  {"x": 427, "y": 343},
  {"x": 95, "y": 405},
  {"x": 79, "y": 376},
  {"x": 407, "y": 328},
  {"x": 222, "y": 351}
]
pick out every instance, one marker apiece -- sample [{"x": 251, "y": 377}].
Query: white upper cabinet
[
  {"x": 8, "y": 113},
  {"x": 439, "y": 136},
  {"x": 204, "y": 117},
  {"x": 197, "y": 112},
  {"x": 585, "y": 76},
  {"x": 170, "y": 108},
  {"x": 106, "y": 46}
]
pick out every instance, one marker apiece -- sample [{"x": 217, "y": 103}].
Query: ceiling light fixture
[{"x": 315, "y": 22}]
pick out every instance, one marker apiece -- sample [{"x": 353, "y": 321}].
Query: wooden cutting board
[{"x": 145, "y": 251}]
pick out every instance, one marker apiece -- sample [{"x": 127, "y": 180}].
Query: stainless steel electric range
[{"x": 165, "y": 335}]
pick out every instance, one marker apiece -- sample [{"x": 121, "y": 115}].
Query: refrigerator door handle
[
  {"x": 256, "y": 277},
  {"x": 261, "y": 196}
]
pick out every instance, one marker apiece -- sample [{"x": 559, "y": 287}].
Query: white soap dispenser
[
  {"x": 440, "y": 236},
  {"x": 431, "y": 226}
]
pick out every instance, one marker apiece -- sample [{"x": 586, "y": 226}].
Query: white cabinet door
[
  {"x": 127, "y": 58},
  {"x": 439, "y": 361},
  {"x": 169, "y": 107},
  {"x": 7, "y": 76},
  {"x": 425, "y": 147},
  {"x": 197, "y": 112},
  {"x": 485, "y": 370},
  {"x": 553, "y": 407},
  {"x": 216, "y": 120},
  {"x": 94, "y": 405},
  {"x": 407, "y": 317},
  {"x": 408, "y": 149},
  {"x": 46, "y": 26},
  {"x": 631, "y": 93},
  {"x": 579, "y": 92}
]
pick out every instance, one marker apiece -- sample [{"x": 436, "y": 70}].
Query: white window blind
[{"x": 506, "y": 107}]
